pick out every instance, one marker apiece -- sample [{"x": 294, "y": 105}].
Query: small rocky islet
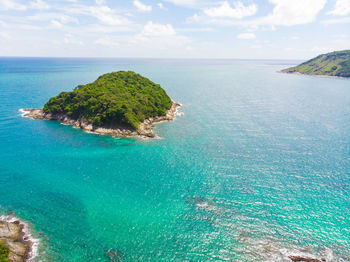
[{"x": 121, "y": 103}]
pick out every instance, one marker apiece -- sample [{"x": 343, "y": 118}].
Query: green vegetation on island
[
  {"x": 4, "y": 252},
  {"x": 331, "y": 64},
  {"x": 114, "y": 99}
]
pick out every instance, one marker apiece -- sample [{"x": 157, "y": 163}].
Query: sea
[{"x": 256, "y": 166}]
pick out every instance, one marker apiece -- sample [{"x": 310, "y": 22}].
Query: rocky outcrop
[
  {"x": 14, "y": 233},
  {"x": 145, "y": 128},
  {"x": 306, "y": 259}
]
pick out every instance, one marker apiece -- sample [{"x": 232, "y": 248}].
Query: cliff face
[{"x": 331, "y": 64}]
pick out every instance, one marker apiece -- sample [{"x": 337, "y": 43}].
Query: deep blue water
[{"x": 256, "y": 169}]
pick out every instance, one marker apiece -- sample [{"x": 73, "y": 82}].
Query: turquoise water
[{"x": 257, "y": 168}]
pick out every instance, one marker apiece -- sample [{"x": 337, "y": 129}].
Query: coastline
[
  {"x": 17, "y": 236},
  {"x": 145, "y": 129},
  {"x": 298, "y": 73}
]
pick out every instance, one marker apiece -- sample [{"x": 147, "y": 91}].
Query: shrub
[{"x": 4, "y": 252}]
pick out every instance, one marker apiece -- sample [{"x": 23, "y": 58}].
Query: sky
[{"x": 242, "y": 29}]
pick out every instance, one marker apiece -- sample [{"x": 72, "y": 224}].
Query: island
[
  {"x": 336, "y": 64},
  {"x": 121, "y": 103}
]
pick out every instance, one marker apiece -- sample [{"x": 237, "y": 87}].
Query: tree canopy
[
  {"x": 114, "y": 99},
  {"x": 4, "y": 252}
]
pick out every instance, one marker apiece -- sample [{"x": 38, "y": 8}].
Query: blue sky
[{"x": 287, "y": 29}]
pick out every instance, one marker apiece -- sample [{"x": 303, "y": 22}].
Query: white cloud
[
  {"x": 39, "y": 4},
  {"x": 11, "y": 5},
  {"x": 100, "y": 2},
  {"x": 196, "y": 29},
  {"x": 342, "y": 7},
  {"x": 246, "y": 36},
  {"x": 151, "y": 29},
  {"x": 69, "y": 39},
  {"x": 284, "y": 13},
  {"x": 107, "y": 16},
  {"x": 104, "y": 14},
  {"x": 185, "y": 3},
  {"x": 203, "y": 19},
  {"x": 159, "y": 36},
  {"x": 65, "y": 19},
  {"x": 341, "y": 20},
  {"x": 106, "y": 41},
  {"x": 142, "y": 7},
  {"x": 3, "y": 24},
  {"x": 120, "y": 31},
  {"x": 4, "y": 35},
  {"x": 56, "y": 24},
  {"x": 61, "y": 18},
  {"x": 98, "y": 29},
  {"x": 161, "y": 6},
  {"x": 289, "y": 49},
  {"x": 239, "y": 10},
  {"x": 293, "y": 12}
]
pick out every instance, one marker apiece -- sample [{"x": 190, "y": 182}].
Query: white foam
[
  {"x": 177, "y": 112},
  {"x": 27, "y": 235},
  {"x": 203, "y": 204},
  {"x": 23, "y": 112}
]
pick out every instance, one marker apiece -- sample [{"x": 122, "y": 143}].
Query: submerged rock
[
  {"x": 114, "y": 255},
  {"x": 306, "y": 259}
]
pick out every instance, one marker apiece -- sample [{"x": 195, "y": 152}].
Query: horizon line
[{"x": 154, "y": 58}]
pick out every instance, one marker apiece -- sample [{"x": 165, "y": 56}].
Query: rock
[
  {"x": 145, "y": 128},
  {"x": 16, "y": 247},
  {"x": 9, "y": 230},
  {"x": 306, "y": 259},
  {"x": 14, "y": 234}
]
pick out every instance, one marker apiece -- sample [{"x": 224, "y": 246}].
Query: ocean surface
[{"x": 256, "y": 169}]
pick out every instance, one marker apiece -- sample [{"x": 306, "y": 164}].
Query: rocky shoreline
[
  {"x": 285, "y": 71},
  {"x": 17, "y": 237},
  {"x": 145, "y": 129}
]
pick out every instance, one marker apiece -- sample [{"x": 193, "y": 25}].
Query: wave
[{"x": 23, "y": 112}]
